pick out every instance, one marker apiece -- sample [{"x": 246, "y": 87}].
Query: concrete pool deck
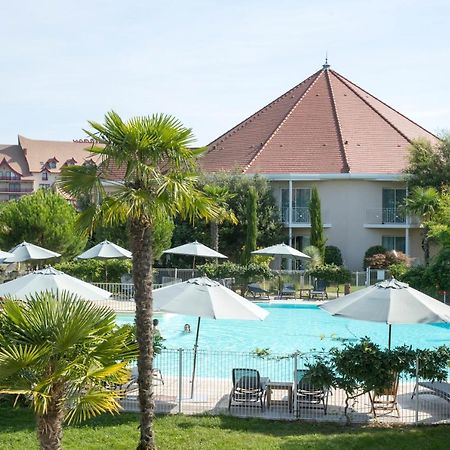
[{"x": 211, "y": 397}]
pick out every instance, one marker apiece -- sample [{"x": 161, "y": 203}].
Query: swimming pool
[{"x": 289, "y": 328}]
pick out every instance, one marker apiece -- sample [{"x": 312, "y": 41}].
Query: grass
[{"x": 219, "y": 433}]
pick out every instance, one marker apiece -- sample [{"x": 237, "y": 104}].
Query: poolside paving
[{"x": 211, "y": 397}]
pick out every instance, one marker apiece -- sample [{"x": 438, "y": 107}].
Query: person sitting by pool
[
  {"x": 187, "y": 328},
  {"x": 155, "y": 327}
]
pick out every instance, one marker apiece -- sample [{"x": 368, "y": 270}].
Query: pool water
[{"x": 289, "y": 328}]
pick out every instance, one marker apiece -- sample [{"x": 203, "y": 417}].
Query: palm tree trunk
[
  {"x": 214, "y": 231},
  {"x": 49, "y": 425},
  {"x": 141, "y": 246}
]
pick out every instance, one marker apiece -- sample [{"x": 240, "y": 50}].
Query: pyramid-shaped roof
[{"x": 325, "y": 124}]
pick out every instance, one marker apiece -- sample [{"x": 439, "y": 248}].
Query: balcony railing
[
  {"x": 389, "y": 216},
  {"x": 299, "y": 215},
  {"x": 13, "y": 190}
]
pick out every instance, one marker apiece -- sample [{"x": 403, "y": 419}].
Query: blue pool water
[{"x": 289, "y": 328}]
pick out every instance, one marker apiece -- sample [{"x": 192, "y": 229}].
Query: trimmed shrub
[
  {"x": 374, "y": 250},
  {"x": 333, "y": 255}
]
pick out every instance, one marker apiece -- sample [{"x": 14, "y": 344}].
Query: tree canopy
[
  {"x": 44, "y": 218},
  {"x": 429, "y": 165}
]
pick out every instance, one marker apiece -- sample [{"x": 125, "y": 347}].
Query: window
[
  {"x": 52, "y": 164},
  {"x": 44, "y": 176},
  {"x": 14, "y": 187},
  {"x": 393, "y": 199},
  {"x": 8, "y": 174},
  {"x": 394, "y": 243},
  {"x": 44, "y": 186},
  {"x": 300, "y": 204}
]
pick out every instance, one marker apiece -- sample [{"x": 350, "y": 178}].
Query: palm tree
[
  {"x": 63, "y": 353},
  {"x": 221, "y": 196},
  {"x": 159, "y": 181},
  {"x": 424, "y": 202}
]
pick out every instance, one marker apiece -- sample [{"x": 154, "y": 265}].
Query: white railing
[
  {"x": 382, "y": 216},
  {"x": 279, "y": 399}
]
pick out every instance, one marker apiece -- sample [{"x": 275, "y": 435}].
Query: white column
[
  {"x": 290, "y": 222},
  {"x": 408, "y": 221}
]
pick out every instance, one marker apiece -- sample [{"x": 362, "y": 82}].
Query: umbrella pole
[
  {"x": 195, "y": 357},
  {"x": 390, "y": 333}
]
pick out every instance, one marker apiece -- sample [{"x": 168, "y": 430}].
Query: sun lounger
[
  {"x": 248, "y": 388},
  {"x": 319, "y": 290},
  {"x": 288, "y": 291},
  {"x": 308, "y": 395},
  {"x": 256, "y": 290},
  {"x": 386, "y": 400},
  {"x": 439, "y": 388}
]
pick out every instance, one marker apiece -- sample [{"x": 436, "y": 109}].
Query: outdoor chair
[
  {"x": 288, "y": 291},
  {"x": 248, "y": 388},
  {"x": 156, "y": 375},
  {"x": 309, "y": 395},
  {"x": 439, "y": 388},
  {"x": 256, "y": 290},
  {"x": 385, "y": 400},
  {"x": 319, "y": 290}
]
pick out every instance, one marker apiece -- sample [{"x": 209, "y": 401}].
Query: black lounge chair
[
  {"x": 288, "y": 291},
  {"x": 248, "y": 388},
  {"x": 439, "y": 388},
  {"x": 319, "y": 290},
  {"x": 256, "y": 290},
  {"x": 308, "y": 395}
]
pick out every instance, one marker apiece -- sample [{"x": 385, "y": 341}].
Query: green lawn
[{"x": 190, "y": 432}]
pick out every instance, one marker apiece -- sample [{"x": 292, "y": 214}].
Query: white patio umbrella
[
  {"x": 50, "y": 279},
  {"x": 282, "y": 250},
  {"x": 106, "y": 250},
  {"x": 195, "y": 249},
  {"x": 26, "y": 252},
  {"x": 392, "y": 302},
  {"x": 4, "y": 255},
  {"x": 202, "y": 297}
]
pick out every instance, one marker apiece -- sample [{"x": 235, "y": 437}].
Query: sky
[{"x": 211, "y": 63}]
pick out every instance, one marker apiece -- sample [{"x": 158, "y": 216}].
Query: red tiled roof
[{"x": 326, "y": 124}]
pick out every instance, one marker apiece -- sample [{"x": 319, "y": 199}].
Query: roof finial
[{"x": 326, "y": 65}]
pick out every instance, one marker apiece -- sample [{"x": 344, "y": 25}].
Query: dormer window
[
  {"x": 52, "y": 164},
  {"x": 44, "y": 176}
]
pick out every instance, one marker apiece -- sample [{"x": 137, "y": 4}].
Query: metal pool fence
[{"x": 268, "y": 387}]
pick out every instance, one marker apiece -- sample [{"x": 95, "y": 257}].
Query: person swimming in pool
[{"x": 187, "y": 328}]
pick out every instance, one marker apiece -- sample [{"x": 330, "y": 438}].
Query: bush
[
  {"x": 333, "y": 255},
  {"x": 97, "y": 271},
  {"x": 374, "y": 250},
  {"x": 331, "y": 274},
  {"x": 377, "y": 261}
]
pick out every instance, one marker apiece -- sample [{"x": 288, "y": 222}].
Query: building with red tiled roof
[{"x": 329, "y": 133}]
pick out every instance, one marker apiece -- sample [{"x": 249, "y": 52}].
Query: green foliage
[
  {"x": 95, "y": 270},
  {"x": 44, "y": 218},
  {"x": 251, "y": 225},
  {"x": 438, "y": 272},
  {"x": 374, "y": 250},
  {"x": 315, "y": 258},
  {"x": 119, "y": 234},
  {"x": 333, "y": 255},
  {"x": 242, "y": 274},
  {"x": 232, "y": 236},
  {"x": 317, "y": 236},
  {"x": 387, "y": 260},
  {"x": 331, "y": 273},
  {"x": 429, "y": 165},
  {"x": 63, "y": 353},
  {"x": 364, "y": 366}
]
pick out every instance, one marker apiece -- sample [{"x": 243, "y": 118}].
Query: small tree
[
  {"x": 317, "y": 237},
  {"x": 374, "y": 250},
  {"x": 44, "y": 218},
  {"x": 252, "y": 225},
  {"x": 63, "y": 353},
  {"x": 333, "y": 255}
]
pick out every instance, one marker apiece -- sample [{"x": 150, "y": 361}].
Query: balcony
[
  {"x": 389, "y": 218},
  {"x": 300, "y": 217},
  {"x": 15, "y": 190}
]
